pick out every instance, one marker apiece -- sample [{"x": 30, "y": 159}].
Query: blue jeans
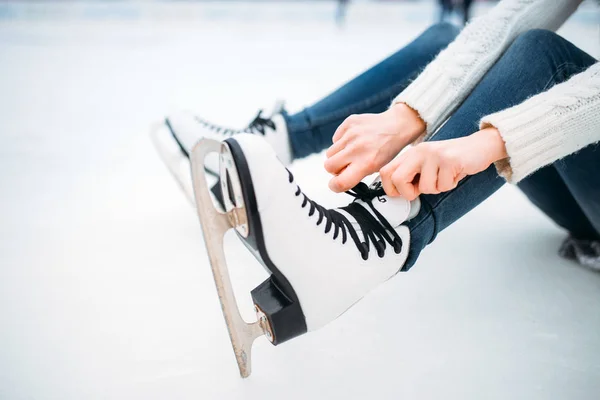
[{"x": 567, "y": 191}]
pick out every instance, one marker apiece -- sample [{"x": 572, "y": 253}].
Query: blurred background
[{"x": 105, "y": 288}]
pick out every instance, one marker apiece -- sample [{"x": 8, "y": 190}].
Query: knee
[
  {"x": 535, "y": 50},
  {"x": 536, "y": 40}
]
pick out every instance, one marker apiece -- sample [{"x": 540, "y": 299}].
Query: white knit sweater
[{"x": 537, "y": 132}]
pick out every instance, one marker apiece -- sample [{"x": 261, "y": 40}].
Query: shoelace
[
  {"x": 376, "y": 230},
  {"x": 257, "y": 125}
]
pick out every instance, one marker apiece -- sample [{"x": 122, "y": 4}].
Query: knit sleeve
[
  {"x": 550, "y": 125},
  {"x": 448, "y": 80}
]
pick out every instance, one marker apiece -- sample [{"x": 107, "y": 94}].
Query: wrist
[
  {"x": 494, "y": 144},
  {"x": 409, "y": 122}
]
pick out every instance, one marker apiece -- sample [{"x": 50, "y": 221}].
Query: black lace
[
  {"x": 376, "y": 230},
  {"x": 257, "y": 125}
]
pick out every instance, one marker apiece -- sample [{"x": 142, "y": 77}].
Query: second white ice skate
[{"x": 176, "y": 136}]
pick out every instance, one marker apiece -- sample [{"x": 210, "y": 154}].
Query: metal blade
[
  {"x": 214, "y": 225},
  {"x": 173, "y": 159}
]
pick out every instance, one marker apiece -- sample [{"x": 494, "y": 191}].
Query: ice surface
[{"x": 105, "y": 291}]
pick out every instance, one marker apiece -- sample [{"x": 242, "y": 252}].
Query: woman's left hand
[{"x": 435, "y": 167}]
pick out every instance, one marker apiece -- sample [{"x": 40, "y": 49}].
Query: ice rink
[{"x": 105, "y": 288}]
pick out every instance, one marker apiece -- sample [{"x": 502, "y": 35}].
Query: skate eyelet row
[
  {"x": 375, "y": 229},
  {"x": 257, "y": 125}
]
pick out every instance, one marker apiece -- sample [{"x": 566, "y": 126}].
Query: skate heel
[{"x": 280, "y": 317}]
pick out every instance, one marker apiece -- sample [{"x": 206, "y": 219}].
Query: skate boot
[
  {"x": 175, "y": 138},
  {"x": 321, "y": 261}
]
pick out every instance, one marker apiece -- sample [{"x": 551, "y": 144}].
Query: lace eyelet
[{"x": 376, "y": 229}]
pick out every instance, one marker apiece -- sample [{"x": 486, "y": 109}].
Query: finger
[
  {"x": 446, "y": 179},
  {"x": 342, "y": 128},
  {"x": 429, "y": 177},
  {"x": 460, "y": 177},
  {"x": 389, "y": 169},
  {"x": 335, "y": 164},
  {"x": 405, "y": 176},
  {"x": 347, "y": 179},
  {"x": 406, "y": 189},
  {"x": 386, "y": 178},
  {"x": 337, "y": 147}
]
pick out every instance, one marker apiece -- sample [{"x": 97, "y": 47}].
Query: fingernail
[{"x": 332, "y": 186}]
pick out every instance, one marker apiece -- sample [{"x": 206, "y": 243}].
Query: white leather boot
[
  {"x": 175, "y": 138},
  {"x": 322, "y": 261}
]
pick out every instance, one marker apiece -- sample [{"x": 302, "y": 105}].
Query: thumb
[{"x": 346, "y": 180}]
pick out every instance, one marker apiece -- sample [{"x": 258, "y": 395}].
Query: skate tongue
[
  {"x": 277, "y": 108},
  {"x": 394, "y": 209}
]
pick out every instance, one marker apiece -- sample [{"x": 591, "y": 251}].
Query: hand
[
  {"x": 435, "y": 167},
  {"x": 364, "y": 143}
]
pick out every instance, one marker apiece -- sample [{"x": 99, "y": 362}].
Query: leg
[
  {"x": 564, "y": 190},
  {"x": 547, "y": 190},
  {"x": 534, "y": 62},
  {"x": 311, "y": 129},
  {"x": 579, "y": 171},
  {"x": 567, "y": 192}
]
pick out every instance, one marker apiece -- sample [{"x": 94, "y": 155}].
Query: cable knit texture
[
  {"x": 550, "y": 125},
  {"x": 537, "y": 132}
]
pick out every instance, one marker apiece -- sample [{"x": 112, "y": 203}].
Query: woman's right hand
[{"x": 364, "y": 143}]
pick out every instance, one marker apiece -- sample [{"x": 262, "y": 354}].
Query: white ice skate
[
  {"x": 321, "y": 261},
  {"x": 177, "y": 135}
]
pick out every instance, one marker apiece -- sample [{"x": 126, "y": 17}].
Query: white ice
[{"x": 105, "y": 289}]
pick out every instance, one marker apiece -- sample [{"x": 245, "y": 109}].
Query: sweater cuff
[
  {"x": 430, "y": 95},
  {"x": 528, "y": 143}
]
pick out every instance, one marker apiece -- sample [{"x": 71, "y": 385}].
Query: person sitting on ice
[{"x": 504, "y": 100}]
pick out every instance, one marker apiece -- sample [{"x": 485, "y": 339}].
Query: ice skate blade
[
  {"x": 214, "y": 225},
  {"x": 178, "y": 164}
]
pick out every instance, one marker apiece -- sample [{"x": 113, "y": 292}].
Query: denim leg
[
  {"x": 568, "y": 190},
  {"x": 311, "y": 129},
  {"x": 579, "y": 171},
  {"x": 547, "y": 190},
  {"x": 535, "y": 61}
]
